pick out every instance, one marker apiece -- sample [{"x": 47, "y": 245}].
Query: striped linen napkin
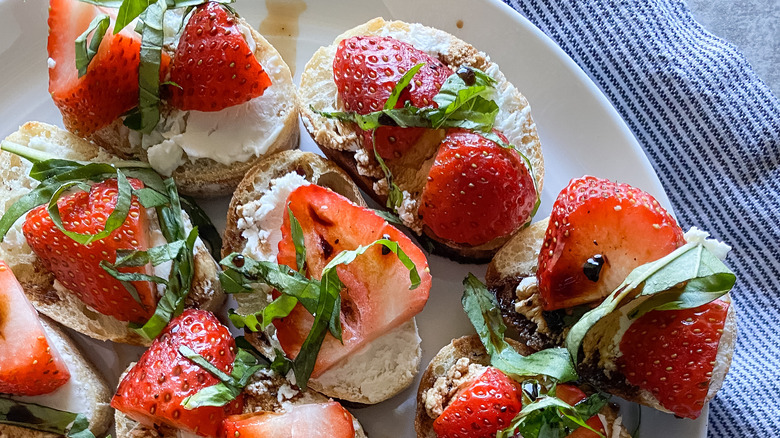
[{"x": 711, "y": 128}]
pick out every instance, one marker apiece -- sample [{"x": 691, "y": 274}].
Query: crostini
[
  {"x": 643, "y": 307},
  {"x": 195, "y": 380},
  {"x": 47, "y": 387},
  {"x": 428, "y": 126},
  {"x": 296, "y": 213},
  {"x": 202, "y": 99},
  {"x": 110, "y": 273}
]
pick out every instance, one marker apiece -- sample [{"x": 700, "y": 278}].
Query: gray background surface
[{"x": 751, "y": 25}]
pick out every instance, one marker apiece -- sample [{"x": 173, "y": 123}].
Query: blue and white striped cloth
[{"x": 711, "y": 128}]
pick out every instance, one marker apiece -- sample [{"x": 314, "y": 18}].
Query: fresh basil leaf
[
  {"x": 44, "y": 419},
  {"x": 128, "y": 276},
  {"x": 172, "y": 301},
  {"x": 281, "y": 364},
  {"x": 84, "y": 52},
  {"x": 245, "y": 365},
  {"x": 297, "y": 237},
  {"x": 114, "y": 4},
  {"x": 233, "y": 282},
  {"x": 114, "y": 220},
  {"x": 128, "y": 11},
  {"x": 404, "y": 82},
  {"x": 150, "y": 198},
  {"x": 38, "y": 196},
  {"x": 549, "y": 416},
  {"x": 689, "y": 277},
  {"x": 206, "y": 229},
  {"x": 43, "y": 170},
  {"x": 150, "y": 27},
  {"x": 156, "y": 255},
  {"x": 389, "y": 217},
  {"x": 278, "y": 308},
  {"x": 483, "y": 311}
]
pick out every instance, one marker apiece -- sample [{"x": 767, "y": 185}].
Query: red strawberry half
[
  {"x": 29, "y": 364},
  {"x": 487, "y": 405},
  {"x": 367, "y": 68},
  {"x": 599, "y": 232},
  {"x": 77, "y": 266},
  {"x": 110, "y": 86},
  {"x": 154, "y": 388},
  {"x": 672, "y": 354},
  {"x": 324, "y": 420},
  {"x": 214, "y": 67},
  {"x": 376, "y": 298},
  {"x": 476, "y": 191}
]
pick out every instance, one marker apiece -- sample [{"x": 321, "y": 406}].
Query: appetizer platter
[{"x": 424, "y": 194}]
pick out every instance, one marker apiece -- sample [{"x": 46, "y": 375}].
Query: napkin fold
[{"x": 711, "y": 129}]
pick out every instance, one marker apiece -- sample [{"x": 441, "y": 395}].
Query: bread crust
[
  {"x": 332, "y": 383},
  {"x": 205, "y": 177},
  {"x": 99, "y": 396},
  {"x": 340, "y": 143},
  {"x": 38, "y": 283},
  {"x": 471, "y": 347}
]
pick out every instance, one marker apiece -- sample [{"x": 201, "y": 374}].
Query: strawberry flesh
[
  {"x": 599, "y": 231},
  {"x": 487, "y": 405},
  {"x": 153, "y": 389},
  {"x": 376, "y": 297},
  {"x": 29, "y": 363},
  {"x": 213, "y": 67},
  {"x": 477, "y": 191},
  {"x": 77, "y": 266},
  {"x": 323, "y": 420},
  {"x": 672, "y": 354},
  {"x": 110, "y": 87},
  {"x": 367, "y": 68}
]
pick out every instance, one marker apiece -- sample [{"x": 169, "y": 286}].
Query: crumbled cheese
[
  {"x": 529, "y": 303},
  {"x": 716, "y": 247},
  {"x": 444, "y": 389},
  {"x": 260, "y": 220},
  {"x": 285, "y": 393},
  {"x": 407, "y": 212},
  {"x": 51, "y": 63}
]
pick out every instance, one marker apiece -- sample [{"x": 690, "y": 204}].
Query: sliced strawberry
[
  {"x": 367, "y": 68},
  {"x": 77, "y": 266},
  {"x": 214, "y": 67},
  {"x": 323, "y": 420},
  {"x": 110, "y": 86},
  {"x": 672, "y": 355},
  {"x": 476, "y": 191},
  {"x": 154, "y": 388},
  {"x": 599, "y": 232},
  {"x": 29, "y": 364},
  {"x": 487, "y": 405},
  {"x": 573, "y": 395},
  {"x": 377, "y": 297}
]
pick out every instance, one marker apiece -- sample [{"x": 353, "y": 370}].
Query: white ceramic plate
[{"x": 580, "y": 131}]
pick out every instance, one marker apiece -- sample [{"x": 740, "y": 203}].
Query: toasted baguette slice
[
  {"x": 389, "y": 363},
  {"x": 205, "y": 177},
  {"x": 267, "y": 392},
  {"x": 470, "y": 347},
  {"x": 539, "y": 330},
  {"x": 86, "y": 392},
  {"x": 37, "y": 282},
  {"x": 341, "y": 144}
]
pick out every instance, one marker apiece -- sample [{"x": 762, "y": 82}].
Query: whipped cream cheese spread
[
  {"x": 459, "y": 375},
  {"x": 231, "y": 135},
  {"x": 260, "y": 220}
]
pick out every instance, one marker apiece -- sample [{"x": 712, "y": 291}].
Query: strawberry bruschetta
[
  {"x": 195, "y": 380},
  {"x": 428, "y": 126},
  {"x": 47, "y": 387},
  {"x": 642, "y": 306},
  {"x": 199, "y": 95},
  {"x": 102, "y": 246},
  {"x": 300, "y": 215}
]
